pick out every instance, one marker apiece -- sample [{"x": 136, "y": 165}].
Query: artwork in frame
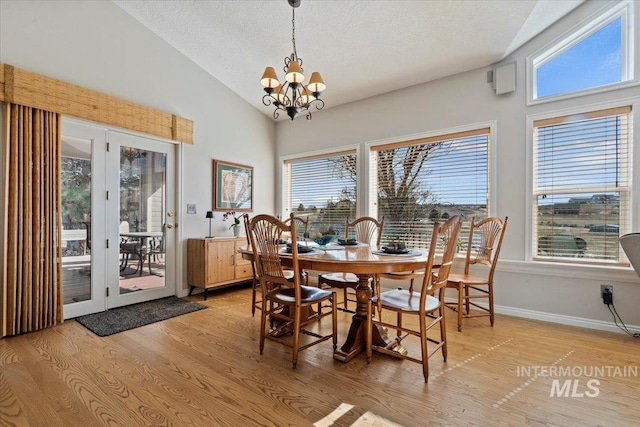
[{"x": 232, "y": 187}]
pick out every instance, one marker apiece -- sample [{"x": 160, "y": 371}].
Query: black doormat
[{"x": 133, "y": 316}]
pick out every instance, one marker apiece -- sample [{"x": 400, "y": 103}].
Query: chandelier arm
[
  {"x": 286, "y": 98},
  {"x": 319, "y": 103},
  {"x": 308, "y": 115},
  {"x": 276, "y": 112},
  {"x": 268, "y": 100}
]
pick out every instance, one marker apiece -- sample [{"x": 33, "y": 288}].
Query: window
[
  {"x": 414, "y": 183},
  {"x": 581, "y": 186},
  {"x": 597, "y": 55},
  {"x": 323, "y": 189}
]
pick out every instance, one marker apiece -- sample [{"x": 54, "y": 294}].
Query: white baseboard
[
  {"x": 564, "y": 320},
  {"x": 559, "y": 318}
]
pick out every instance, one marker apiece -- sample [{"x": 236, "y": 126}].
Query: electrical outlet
[{"x": 606, "y": 293}]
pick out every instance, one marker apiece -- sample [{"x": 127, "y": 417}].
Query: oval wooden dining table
[{"x": 365, "y": 264}]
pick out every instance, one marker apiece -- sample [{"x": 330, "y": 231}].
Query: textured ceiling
[{"x": 361, "y": 48}]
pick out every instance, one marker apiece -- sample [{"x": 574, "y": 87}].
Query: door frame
[
  {"x": 97, "y": 136},
  {"x": 115, "y": 138},
  {"x": 100, "y": 232}
]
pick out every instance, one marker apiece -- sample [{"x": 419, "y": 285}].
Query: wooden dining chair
[
  {"x": 365, "y": 230},
  {"x": 485, "y": 241},
  {"x": 286, "y": 302},
  {"x": 255, "y": 282},
  {"x": 427, "y": 305},
  {"x": 302, "y": 226},
  {"x": 447, "y": 233}
]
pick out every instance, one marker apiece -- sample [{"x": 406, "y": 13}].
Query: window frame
[
  {"x": 578, "y": 33},
  {"x": 633, "y": 193},
  {"x": 325, "y": 153},
  {"x": 492, "y": 147}
]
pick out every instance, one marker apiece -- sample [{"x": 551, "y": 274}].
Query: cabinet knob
[{"x": 169, "y": 225}]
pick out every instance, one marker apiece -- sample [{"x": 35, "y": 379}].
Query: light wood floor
[{"x": 204, "y": 369}]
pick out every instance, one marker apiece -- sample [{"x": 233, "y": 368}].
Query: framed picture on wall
[{"x": 232, "y": 187}]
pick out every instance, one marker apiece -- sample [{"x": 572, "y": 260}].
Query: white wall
[
  {"x": 97, "y": 45},
  {"x": 553, "y": 292}
]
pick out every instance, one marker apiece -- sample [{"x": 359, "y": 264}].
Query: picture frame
[{"x": 232, "y": 187}]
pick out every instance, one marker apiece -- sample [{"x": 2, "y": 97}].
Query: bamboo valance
[{"x": 30, "y": 89}]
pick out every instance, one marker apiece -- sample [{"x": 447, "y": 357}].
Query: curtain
[{"x": 32, "y": 288}]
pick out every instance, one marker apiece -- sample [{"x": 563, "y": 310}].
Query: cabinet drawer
[
  {"x": 241, "y": 261},
  {"x": 244, "y": 271}
]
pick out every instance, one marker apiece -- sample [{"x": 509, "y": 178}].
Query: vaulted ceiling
[{"x": 362, "y": 48}]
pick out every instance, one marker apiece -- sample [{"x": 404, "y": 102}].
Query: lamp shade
[
  {"x": 209, "y": 214},
  {"x": 316, "y": 84},
  {"x": 269, "y": 78},
  {"x": 294, "y": 73}
]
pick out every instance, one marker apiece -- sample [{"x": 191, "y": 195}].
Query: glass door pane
[
  {"x": 142, "y": 207},
  {"x": 76, "y": 219},
  {"x": 141, "y": 219}
]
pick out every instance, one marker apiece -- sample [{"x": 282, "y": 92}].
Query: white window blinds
[
  {"x": 321, "y": 188},
  {"x": 414, "y": 183},
  {"x": 581, "y": 186}
]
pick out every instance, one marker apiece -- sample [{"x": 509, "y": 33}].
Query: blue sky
[{"x": 595, "y": 61}]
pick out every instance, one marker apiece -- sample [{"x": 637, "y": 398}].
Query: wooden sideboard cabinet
[{"x": 215, "y": 262}]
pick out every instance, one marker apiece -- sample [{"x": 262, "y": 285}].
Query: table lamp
[{"x": 209, "y": 215}]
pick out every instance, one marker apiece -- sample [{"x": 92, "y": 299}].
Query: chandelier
[{"x": 292, "y": 96}]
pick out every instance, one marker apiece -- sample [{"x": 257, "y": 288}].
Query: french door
[
  {"x": 118, "y": 217},
  {"x": 141, "y": 219}
]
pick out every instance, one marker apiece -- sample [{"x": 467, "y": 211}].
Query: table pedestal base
[{"x": 356, "y": 340}]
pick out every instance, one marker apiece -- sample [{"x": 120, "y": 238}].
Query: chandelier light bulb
[{"x": 294, "y": 73}]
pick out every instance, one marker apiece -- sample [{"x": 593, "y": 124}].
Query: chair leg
[
  {"x": 443, "y": 332},
  {"x": 253, "y": 297},
  {"x": 491, "y": 314},
  {"x": 320, "y": 283},
  {"x": 124, "y": 262},
  {"x": 334, "y": 320},
  {"x": 467, "y": 306},
  {"x": 460, "y": 286},
  {"x": 424, "y": 348},
  {"x": 296, "y": 335},
  {"x": 151, "y": 256},
  {"x": 263, "y": 323}
]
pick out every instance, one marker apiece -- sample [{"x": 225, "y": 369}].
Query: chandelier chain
[{"x": 293, "y": 32}]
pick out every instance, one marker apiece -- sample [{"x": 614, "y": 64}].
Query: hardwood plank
[{"x": 204, "y": 368}]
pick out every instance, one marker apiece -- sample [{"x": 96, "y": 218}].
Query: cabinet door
[
  {"x": 243, "y": 266},
  {"x": 220, "y": 258}
]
